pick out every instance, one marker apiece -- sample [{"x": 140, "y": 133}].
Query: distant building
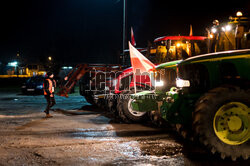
[{"x": 12, "y": 69}]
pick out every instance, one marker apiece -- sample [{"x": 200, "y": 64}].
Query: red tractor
[{"x": 109, "y": 87}]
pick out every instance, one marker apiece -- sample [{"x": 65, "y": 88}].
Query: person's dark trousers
[{"x": 50, "y": 103}]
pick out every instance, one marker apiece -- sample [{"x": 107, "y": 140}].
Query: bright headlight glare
[
  {"x": 214, "y": 30},
  {"x": 228, "y": 27},
  {"x": 182, "y": 83},
  {"x": 159, "y": 83}
]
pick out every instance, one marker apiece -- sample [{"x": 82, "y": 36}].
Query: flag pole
[
  {"x": 130, "y": 49},
  {"x": 134, "y": 83}
]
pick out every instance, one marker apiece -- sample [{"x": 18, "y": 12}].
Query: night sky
[{"x": 90, "y": 31}]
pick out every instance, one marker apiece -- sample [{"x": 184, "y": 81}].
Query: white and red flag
[
  {"x": 132, "y": 37},
  {"x": 140, "y": 64},
  {"x": 139, "y": 61}
]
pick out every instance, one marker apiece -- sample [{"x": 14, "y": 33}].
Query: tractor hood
[
  {"x": 224, "y": 55},
  {"x": 167, "y": 64}
]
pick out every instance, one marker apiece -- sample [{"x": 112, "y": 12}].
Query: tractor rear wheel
[{"x": 222, "y": 121}]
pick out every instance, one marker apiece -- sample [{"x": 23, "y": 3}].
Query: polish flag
[
  {"x": 140, "y": 64},
  {"x": 138, "y": 61},
  {"x": 132, "y": 37}
]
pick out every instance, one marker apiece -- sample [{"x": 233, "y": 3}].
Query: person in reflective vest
[{"x": 49, "y": 89}]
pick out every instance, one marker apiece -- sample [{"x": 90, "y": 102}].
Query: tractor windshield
[{"x": 172, "y": 48}]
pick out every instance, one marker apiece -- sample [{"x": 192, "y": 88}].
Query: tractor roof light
[
  {"x": 178, "y": 45},
  {"x": 239, "y": 14},
  {"x": 216, "y": 22}
]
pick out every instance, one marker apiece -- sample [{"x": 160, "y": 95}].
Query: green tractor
[
  {"x": 209, "y": 101},
  {"x": 167, "y": 72}
]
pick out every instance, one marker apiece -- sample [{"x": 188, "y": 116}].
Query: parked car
[{"x": 33, "y": 85}]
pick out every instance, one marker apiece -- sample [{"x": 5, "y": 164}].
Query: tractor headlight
[
  {"x": 214, "y": 30},
  {"x": 182, "y": 83},
  {"x": 159, "y": 83}
]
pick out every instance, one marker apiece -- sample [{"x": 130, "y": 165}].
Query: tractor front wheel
[
  {"x": 125, "y": 109},
  {"x": 222, "y": 121}
]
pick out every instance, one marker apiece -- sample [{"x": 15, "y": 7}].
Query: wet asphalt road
[{"x": 79, "y": 134}]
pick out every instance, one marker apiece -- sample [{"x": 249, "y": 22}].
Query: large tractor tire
[
  {"x": 222, "y": 121},
  {"x": 125, "y": 110},
  {"x": 111, "y": 104},
  {"x": 120, "y": 111}
]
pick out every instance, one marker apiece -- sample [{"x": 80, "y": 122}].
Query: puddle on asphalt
[
  {"x": 97, "y": 135},
  {"x": 109, "y": 132},
  {"x": 101, "y": 134},
  {"x": 130, "y": 149},
  {"x": 149, "y": 147}
]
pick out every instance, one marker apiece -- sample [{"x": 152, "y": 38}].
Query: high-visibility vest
[{"x": 51, "y": 87}]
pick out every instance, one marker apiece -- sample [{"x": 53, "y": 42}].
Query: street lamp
[
  {"x": 124, "y": 32},
  {"x": 49, "y": 58}
]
